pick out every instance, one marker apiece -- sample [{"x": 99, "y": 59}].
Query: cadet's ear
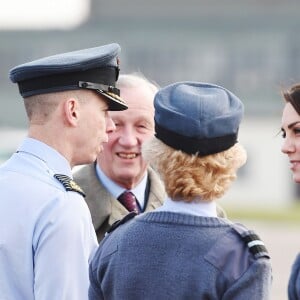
[{"x": 71, "y": 111}]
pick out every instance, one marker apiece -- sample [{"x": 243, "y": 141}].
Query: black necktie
[{"x": 129, "y": 201}]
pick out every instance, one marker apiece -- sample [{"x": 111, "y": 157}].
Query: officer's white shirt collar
[
  {"x": 204, "y": 209},
  {"x": 115, "y": 190},
  {"x": 52, "y": 159}
]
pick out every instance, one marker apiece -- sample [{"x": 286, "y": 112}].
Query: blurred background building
[{"x": 250, "y": 47}]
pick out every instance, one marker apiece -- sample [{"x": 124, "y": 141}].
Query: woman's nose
[{"x": 288, "y": 146}]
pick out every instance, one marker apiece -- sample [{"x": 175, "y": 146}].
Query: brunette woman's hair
[{"x": 292, "y": 95}]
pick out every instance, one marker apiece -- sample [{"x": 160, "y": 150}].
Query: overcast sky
[{"x": 42, "y": 14}]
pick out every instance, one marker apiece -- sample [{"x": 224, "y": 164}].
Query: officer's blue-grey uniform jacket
[
  {"x": 44, "y": 254},
  {"x": 166, "y": 255},
  {"x": 294, "y": 281}
]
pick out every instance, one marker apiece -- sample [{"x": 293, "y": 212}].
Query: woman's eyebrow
[{"x": 293, "y": 124}]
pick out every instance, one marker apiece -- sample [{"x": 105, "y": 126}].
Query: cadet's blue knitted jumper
[{"x": 166, "y": 255}]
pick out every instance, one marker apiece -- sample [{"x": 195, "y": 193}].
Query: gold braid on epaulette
[{"x": 69, "y": 184}]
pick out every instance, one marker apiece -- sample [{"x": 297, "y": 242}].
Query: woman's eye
[
  {"x": 297, "y": 130},
  {"x": 283, "y": 134}
]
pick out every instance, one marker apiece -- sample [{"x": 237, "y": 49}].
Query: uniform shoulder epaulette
[
  {"x": 69, "y": 184},
  {"x": 255, "y": 244},
  {"x": 116, "y": 224}
]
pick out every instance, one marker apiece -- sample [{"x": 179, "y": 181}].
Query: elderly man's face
[{"x": 121, "y": 159}]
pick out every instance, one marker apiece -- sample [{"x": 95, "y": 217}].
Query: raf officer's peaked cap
[
  {"x": 197, "y": 118},
  {"x": 93, "y": 68}
]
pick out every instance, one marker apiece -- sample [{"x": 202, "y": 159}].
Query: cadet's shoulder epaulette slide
[
  {"x": 255, "y": 244},
  {"x": 116, "y": 224},
  {"x": 69, "y": 184}
]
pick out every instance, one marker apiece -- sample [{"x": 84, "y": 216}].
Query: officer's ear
[{"x": 71, "y": 110}]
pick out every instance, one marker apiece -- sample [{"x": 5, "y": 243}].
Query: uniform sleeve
[
  {"x": 63, "y": 242},
  {"x": 255, "y": 283},
  {"x": 98, "y": 265},
  {"x": 242, "y": 259},
  {"x": 95, "y": 292},
  {"x": 294, "y": 281}
]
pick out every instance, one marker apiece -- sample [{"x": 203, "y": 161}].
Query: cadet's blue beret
[
  {"x": 94, "y": 68},
  {"x": 197, "y": 118}
]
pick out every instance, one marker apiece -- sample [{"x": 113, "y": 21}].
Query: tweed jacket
[{"x": 104, "y": 208}]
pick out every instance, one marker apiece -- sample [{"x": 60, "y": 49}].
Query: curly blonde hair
[{"x": 188, "y": 177}]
